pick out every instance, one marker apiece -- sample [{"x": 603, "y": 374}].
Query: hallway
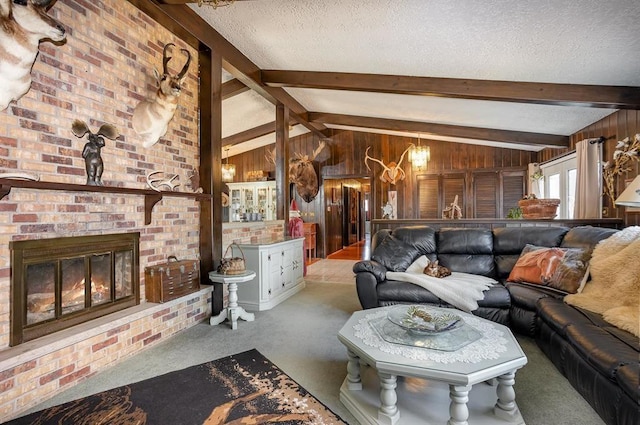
[{"x": 357, "y": 251}]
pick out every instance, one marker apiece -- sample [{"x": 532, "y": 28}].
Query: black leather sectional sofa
[{"x": 601, "y": 361}]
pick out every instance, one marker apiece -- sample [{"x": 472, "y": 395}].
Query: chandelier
[
  {"x": 420, "y": 155},
  {"x": 228, "y": 170},
  {"x": 215, "y": 3}
]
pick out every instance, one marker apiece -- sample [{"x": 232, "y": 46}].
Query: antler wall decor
[{"x": 392, "y": 172}]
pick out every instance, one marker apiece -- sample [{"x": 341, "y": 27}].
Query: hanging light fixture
[
  {"x": 228, "y": 170},
  {"x": 420, "y": 155},
  {"x": 215, "y": 3}
]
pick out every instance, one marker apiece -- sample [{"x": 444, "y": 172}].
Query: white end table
[{"x": 233, "y": 312}]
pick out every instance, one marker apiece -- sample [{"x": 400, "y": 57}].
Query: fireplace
[{"x": 61, "y": 282}]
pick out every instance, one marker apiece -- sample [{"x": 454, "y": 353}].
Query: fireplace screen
[{"x": 61, "y": 282}]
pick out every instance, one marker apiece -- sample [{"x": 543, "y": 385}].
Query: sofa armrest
[
  {"x": 376, "y": 269},
  {"x": 367, "y": 288}
]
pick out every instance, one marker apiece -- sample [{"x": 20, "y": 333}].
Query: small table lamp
[{"x": 631, "y": 195}]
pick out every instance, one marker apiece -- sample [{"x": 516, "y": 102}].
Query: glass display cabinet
[{"x": 252, "y": 201}]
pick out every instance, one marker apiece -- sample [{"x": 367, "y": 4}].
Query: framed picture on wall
[{"x": 630, "y": 209}]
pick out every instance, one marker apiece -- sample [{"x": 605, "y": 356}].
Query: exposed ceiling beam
[
  {"x": 616, "y": 97},
  {"x": 233, "y": 88},
  {"x": 180, "y": 19},
  {"x": 252, "y": 133},
  {"x": 508, "y": 136}
]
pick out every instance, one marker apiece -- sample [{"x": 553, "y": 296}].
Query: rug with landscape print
[{"x": 245, "y": 388}]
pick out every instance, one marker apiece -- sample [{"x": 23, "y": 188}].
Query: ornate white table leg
[
  {"x": 353, "y": 372},
  {"x": 458, "y": 409},
  {"x": 506, "y": 407},
  {"x": 216, "y": 320},
  {"x": 388, "y": 412},
  {"x": 236, "y": 312}
]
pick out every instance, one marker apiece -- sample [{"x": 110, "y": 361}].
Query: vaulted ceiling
[{"x": 509, "y": 73}]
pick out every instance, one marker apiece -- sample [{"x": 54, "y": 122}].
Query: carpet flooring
[
  {"x": 300, "y": 337},
  {"x": 245, "y": 388}
]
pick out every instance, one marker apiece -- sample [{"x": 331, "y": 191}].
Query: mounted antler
[
  {"x": 303, "y": 174},
  {"x": 91, "y": 152},
  {"x": 155, "y": 181},
  {"x": 151, "y": 117},
  {"x": 271, "y": 156},
  {"x": 392, "y": 172},
  {"x": 22, "y": 25}
]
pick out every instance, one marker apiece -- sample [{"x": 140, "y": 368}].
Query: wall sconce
[
  {"x": 228, "y": 170},
  {"x": 420, "y": 156}
]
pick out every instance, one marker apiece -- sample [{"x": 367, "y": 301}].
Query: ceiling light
[
  {"x": 228, "y": 170},
  {"x": 215, "y": 3},
  {"x": 420, "y": 155}
]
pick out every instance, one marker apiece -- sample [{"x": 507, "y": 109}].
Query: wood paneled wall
[
  {"x": 343, "y": 158},
  {"x": 618, "y": 125}
]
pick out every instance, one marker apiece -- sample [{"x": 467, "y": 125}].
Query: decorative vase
[{"x": 539, "y": 208}]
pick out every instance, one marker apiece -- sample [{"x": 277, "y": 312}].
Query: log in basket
[{"x": 539, "y": 208}]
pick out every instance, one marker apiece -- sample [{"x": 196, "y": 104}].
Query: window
[{"x": 560, "y": 183}]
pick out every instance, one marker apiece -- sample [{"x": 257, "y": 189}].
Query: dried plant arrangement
[{"x": 626, "y": 152}]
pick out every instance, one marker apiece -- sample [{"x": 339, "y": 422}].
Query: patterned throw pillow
[
  {"x": 558, "y": 268},
  {"x": 395, "y": 254}
]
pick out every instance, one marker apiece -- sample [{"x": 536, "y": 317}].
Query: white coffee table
[
  {"x": 430, "y": 380},
  {"x": 233, "y": 312}
]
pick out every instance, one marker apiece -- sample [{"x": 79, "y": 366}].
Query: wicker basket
[
  {"x": 539, "y": 208},
  {"x": 232, "y": 265}
]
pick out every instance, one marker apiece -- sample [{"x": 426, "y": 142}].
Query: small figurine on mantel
[
  {"x": 91, "y": 152},
  {"x": 452, "y": 212}
]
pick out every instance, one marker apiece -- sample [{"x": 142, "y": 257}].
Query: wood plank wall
[
  {"x": 618, "y": 125},
  {"x": 343, "y": 159}
]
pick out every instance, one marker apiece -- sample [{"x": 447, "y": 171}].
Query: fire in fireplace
[{"x": 61, "y": 282}]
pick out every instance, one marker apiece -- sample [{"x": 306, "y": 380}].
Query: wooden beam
[
  {"x": 250, "y": 134},
  {"x": 616, "y": 97},
  {"x": 508, "y": 136},
  {"x": 188, "y": 25},
  {"x": 233, "y": 88}
]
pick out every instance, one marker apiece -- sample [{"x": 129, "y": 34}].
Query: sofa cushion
[
  {"x": 586, "y": 237},
  {"x": 395, "y": 254},
  {"x": 466, "y": 250},
  {"x": 421, "y": 237},
  {"x": 559, "y": 268},
  {"x": 508, "y": 243},
  {"x": 600, "y": 348}
]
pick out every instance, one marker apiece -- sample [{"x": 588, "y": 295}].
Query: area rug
[{"x": 242, "y": 389}]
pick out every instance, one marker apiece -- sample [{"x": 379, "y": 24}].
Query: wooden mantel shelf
[{"x": 151, "y": 197}]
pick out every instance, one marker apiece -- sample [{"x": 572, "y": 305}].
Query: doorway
[{"x": 346, "y": 212}]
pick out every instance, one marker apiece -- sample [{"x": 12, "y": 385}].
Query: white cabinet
[
  {"x": 252, "y": 197},
  {"x": 279, "y": 271}
]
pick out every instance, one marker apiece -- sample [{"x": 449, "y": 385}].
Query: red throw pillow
[{"x": 559, "y": 268}]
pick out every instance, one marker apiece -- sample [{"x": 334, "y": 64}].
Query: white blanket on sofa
[{"x": 462, "y": 290}]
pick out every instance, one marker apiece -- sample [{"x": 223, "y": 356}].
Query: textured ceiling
[{"x": 554, "y": 41}]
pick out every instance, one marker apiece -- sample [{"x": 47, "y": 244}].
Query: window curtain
[{"x": 588, "y": 181}]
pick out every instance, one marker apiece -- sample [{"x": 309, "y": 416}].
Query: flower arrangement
[{"x": 626, "y": 152}]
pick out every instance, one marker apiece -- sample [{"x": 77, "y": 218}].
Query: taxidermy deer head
[
  {"x": 91, "y": 152},
  {"x": 392, "y": 172},
  {"x": 23, "y": 23},
  {"x": 303, "y": 174},
  {"x": 151, "y": 117}
]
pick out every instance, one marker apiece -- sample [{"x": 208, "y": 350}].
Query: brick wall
[{"x": 98, "y": 75}]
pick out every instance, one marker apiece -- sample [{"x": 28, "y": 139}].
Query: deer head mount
[
  {"x": 91, "y": 152},
  {"x": 151, "y": 117},
  {"x": 23, "y": 23},
  {"x": 392, "y": 172},
  {"x": 303, "y": 174}
]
